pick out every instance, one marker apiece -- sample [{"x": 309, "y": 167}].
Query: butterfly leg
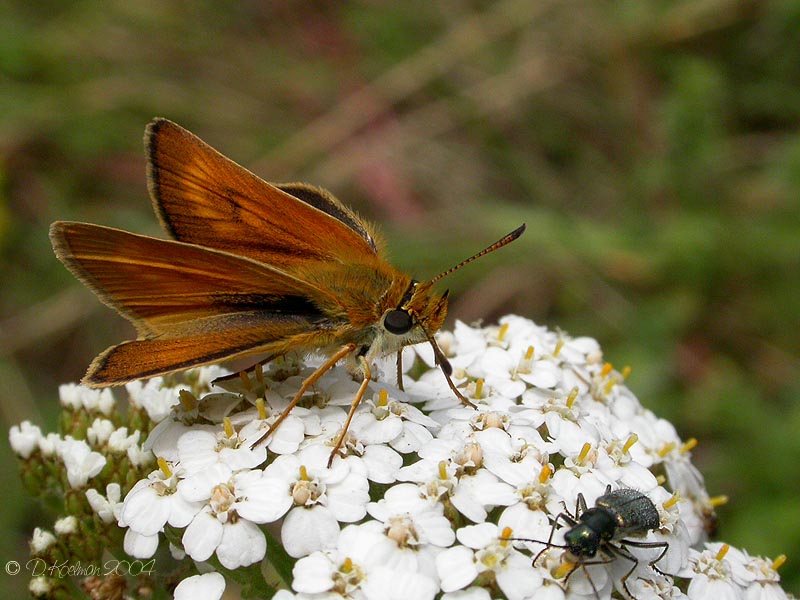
[
  {"x": 256, "y": 368},
  {"x": 400, "y": 369},
  {"x": 307, "y": 383},
  {"x": 356, "y": 401}
]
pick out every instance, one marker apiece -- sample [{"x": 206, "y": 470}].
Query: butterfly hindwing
[{"x": 204, "y": 198}]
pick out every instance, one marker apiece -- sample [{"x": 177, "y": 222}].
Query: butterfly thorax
[{"x": 362, "y": 296}]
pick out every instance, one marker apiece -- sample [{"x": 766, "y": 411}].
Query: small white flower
[
  {"x": 227, "y": 523},
  {"x": 208, "y": 586},
  {"x": 81, "y": 462},
  {"x": 138, "y": 456},
  {"x": 106, "y": 507},
  {"x": 200, "y": 450},
  {"x": 358, "y": 567},
  {"x": 153, "y": 502},
  {"x": 321, "y": 497},
  {"x": 763, "y": 580},
  {"x": 70, "y": 395},
  {"x": 483, "y": 550},
  {"x": 288, "y": 437},
  {"x": 151, "y": 395},
  {"x": 696, "y": 506},
  {"x": 511, "y": 371},
  {"x": 248, "y": 494},
  {"x": 253, "y": 423},
  {"x": 416, "y": 520},
  {"x": 41, "y": 540},
  {"x": 40, "y": 587},
  {"x": 472, "y": 489},
  {"x": 66, "y": 525},
  {"x": 76, "y": 396},
  {"x": 466, "y": 345},
  {"x": 138, "y": 545},
  {"x": 99, "y": 431},
  {"x": 237, "y": 542},
  {"x": 120, "y": 441},
  {"x": 49, "y": 444},
  {"x": 24, "y": 438},
  {"x": 655, "y": 587},
  {"x": 711, "y": 574},
  {"x": 389, "y": 418}
]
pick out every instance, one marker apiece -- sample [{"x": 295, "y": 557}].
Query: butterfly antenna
[{"x": 506, "y": 239}]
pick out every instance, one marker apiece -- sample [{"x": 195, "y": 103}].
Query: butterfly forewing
[
  {"x": 204, "y": 198},
  {"x": 159, "y": 284}
]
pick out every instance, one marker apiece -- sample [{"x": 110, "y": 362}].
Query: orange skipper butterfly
[{"x": 252, "y": 267}]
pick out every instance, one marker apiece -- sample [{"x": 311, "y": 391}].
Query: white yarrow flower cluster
[{"x": 427, "y": 498}]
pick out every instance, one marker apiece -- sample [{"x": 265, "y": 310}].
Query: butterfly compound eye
[{"x": 398, "y": 322}]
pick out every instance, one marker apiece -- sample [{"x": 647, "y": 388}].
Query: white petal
[
  {"x": 524, "y": 522},
  {"x": 477, "y": 536},
  {"x": 358, "y": 541},
  {"x": 286, "y": 440},
  {"x": 202, "y": 536},
  {"x": 144, "y": 511},
  {"x": 266, "y": 500},
  {"x": 436, "y": 528},
  {"x": 412, "y": 438},
  {"x": 81, "y": 462},
  {"x": 467, "y": 505},
  {"x": 519, "y": 580},
  {"x": 347, "y": 501},
  {"x": 41, "y": 540},
  {"x": 312, "y": 574},
  {"x": 181, "y": 511},
  {"x": 208, "y": 586},
  {"x": 305, "y": 530},
  {"x": 286, "y": 467},
  {"x": 400, "y": 498},
  {"x": 385, "y": 583},
  {"x": 100, "y": 505},
  {"x": 242, "y": 544},
  {"x": 24, "y": 438},
  {"x": 369, "y": 430},
  {"x": 473, "y": 593},
  {"x": 488, "y": 490},
  {"x": 545, "y": 374},
  {"x": 198, "y": 486},
  {"x": 197, "y": 450},
  {"x": 382, "y": 463},
  {"x": 163, "y": 440},
  {"x": 243, "y": 457},
  {"x": 140, "y": 546},
  {"x": 456, "y": 568}
]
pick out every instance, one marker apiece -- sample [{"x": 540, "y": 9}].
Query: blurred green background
[{"x": 652, "y": 147}]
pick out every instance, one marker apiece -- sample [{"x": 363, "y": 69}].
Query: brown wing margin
[{"x": 204, "y": 198}]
